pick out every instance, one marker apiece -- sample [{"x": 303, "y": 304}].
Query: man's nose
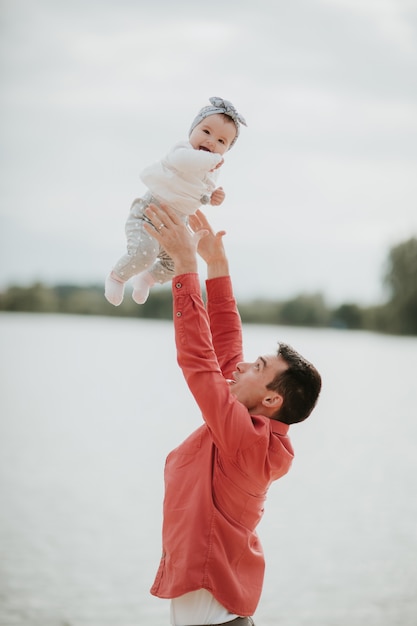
[{"x": 241, "y": 366}]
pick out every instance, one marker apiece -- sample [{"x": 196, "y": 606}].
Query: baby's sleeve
[{"x": 190, "y": 160}]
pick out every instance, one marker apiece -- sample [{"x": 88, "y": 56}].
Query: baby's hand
[{"x": 217, "y": 196}]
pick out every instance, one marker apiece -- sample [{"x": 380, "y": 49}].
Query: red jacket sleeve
[
  {"x": 225, "y": 323},
  {"x": 229, "y": 421}
]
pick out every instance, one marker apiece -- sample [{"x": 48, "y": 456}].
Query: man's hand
[
  {"x": 217, "y": 196},
  {"x": 210, "y": 247},
  {"x": 174, "y": 236}
]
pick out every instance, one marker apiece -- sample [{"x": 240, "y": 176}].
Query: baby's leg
[
  {"x": 161, "y": 271},
  {"x": 142, "y": 251},
  {"x": 141, "y": 286},
  {"x": 114, "y": 289}
]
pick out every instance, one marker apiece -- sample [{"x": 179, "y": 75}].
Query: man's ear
[{"x": 273, "y": 401}]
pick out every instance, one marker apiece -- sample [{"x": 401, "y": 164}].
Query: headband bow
[
  {"x": 218, "y": 105},
  {"x": 227, "y": 107}
]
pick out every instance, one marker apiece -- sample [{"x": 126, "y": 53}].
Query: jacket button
[
  {"x": 178, "y": 285},
  {"x": 179, "y": 313}
]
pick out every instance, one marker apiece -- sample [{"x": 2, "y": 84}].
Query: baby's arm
[
  {"x": 217, "y": 196},
  {"x": 188, "y": 159}
]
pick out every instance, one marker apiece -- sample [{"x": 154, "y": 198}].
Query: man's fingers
[
  {"x": 195, "y": 222},
  {"x": 199, "y": 234},
  {"x": 198, "y": 220},
  {"x": 154, "y": 213},
  {"x": 152, "y": 231},
  {"x": 158, "y": 216}
]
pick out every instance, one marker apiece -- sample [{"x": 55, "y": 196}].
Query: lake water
[{"x": 90, "y": 407}]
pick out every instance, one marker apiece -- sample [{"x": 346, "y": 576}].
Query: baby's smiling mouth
[{"x": 204, "y": 148}]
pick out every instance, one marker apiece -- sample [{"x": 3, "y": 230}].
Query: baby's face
[{"x": 214, "y": 133}]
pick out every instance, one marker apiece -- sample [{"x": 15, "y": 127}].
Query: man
[{"x": 216, "y": 481}]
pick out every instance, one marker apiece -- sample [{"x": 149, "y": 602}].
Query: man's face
[
  {"x": 250, "y": 380},
  {"x": 214, "y": 133}
]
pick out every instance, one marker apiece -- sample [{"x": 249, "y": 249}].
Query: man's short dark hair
[{"x": 299, "y": 385}]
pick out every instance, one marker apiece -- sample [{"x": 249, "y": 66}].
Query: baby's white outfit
[{"x": 184, "y": 181}]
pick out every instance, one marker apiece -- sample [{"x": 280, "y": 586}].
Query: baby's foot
[
  {"x": 114, "y": 290},
  {"x": 141, "y": 285}
]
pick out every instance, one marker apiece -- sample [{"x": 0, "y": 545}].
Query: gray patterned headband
[{"x": 218, "y": 105}]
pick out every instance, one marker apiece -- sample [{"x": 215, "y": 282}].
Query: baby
[{"x": 184, "y": 180}]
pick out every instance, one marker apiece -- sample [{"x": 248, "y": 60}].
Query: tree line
[{"x": 398, "y": 315}]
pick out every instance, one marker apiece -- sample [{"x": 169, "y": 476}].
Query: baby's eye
[
  {"x": 206, "y": 131},
  {"x": 221, "y": 141}
]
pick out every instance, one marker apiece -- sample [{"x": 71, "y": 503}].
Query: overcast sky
[{"x": 319, "y": 186}]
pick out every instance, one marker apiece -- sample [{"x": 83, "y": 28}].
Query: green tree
[
  {"x": 37, "y": 298},
  {"x": 347, "y": 315},
  {"x": 305, "y": 310},
  {"x": 259, "y": 312},
  {"x": 401, "y": 281}
]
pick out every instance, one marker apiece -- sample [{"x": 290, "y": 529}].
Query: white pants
[{"x": 143, "y": 251}]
